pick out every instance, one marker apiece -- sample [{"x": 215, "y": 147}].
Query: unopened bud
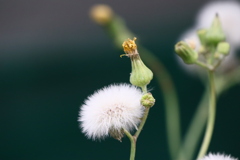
[
  {"x": 147, "y": 100},
  {"x": 215, "y": 33},
  {"x": 202, "y": 36},
  {"x": 223, "y": 48},
  {"x": 141, "y": 75},
  {"x": 188, "y": 54}
]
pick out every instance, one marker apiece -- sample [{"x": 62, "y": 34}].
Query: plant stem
[
  {"x": 170, "y": 99},
  {"x": 195, "y": 130},
  {"x": 133, "y": 139},
  {"x": 206, "y": 66},
  {"x": 144, "y": 89},
  {"x": 144, "y": 118},
  {"x": 133, "y": 144},
  {"x": 211, "y": 117}
]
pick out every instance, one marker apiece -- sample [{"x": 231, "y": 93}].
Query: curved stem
[
  {"x": 196, "y": 127},
  {"x": 170, "y": 98},
  {"x": 133, "y": 144},
  {"x": 142, "y": 123},
  {"x": 211, "y": 117},
  {"x": 195, "y": 130},
  {"x": 133, "y": 139},
  {"x": 144, "y": 118},
  {"x": 206, "y": 66}
]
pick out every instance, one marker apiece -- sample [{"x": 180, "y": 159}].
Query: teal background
[{"x": 52, "y": 56}]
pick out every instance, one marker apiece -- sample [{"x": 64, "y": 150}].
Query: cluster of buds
[{"x": 212, "y": 50}]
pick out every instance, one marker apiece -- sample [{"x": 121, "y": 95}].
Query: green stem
[
  {"x": 196, "y": 127},
  {"x": 206, "y": 66},
  {"x": 133, "y": 144},
  {"x": 170, "y": 99},
  {"x": 195, "y": 130},
  {"x": 211, "y": 117},
  {"x": 133, "y": 139},
  {"x": 144, "y": 89},
  {"x": 144, "y": 118}
]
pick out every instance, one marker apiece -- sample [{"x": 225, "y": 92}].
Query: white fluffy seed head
[
  {"x": 218, "y": 156},
  {"x": 109, "y": 110}
]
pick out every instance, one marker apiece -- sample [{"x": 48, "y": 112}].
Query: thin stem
[
  {"x": 133, "y": 144},
  {"x": 144, "y": 89},
  {"x": 195, "y": 130},
  {"x": 170, "y": 99},
  {"x": 133, "y": 139},
  {"x": 142, "y": 123},
  {"x": 211, "y": 117},
  {"x": 206, "y": 66},
  {"x": 196, "y": 127}
]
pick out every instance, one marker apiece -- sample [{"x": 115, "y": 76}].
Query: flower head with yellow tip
[
  {"x": 141, "y": 75},
  {"x": 130, "y": 47}
]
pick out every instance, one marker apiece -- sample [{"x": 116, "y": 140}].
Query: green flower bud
[
  {"x": 141, "y": 75},
  {"x": 223, "y": 48},
  {"x": 215, "y": 33},
  {"x": 202, "y": 36},
  {"x": 147, "y": 100},
  {"x": 188, "y": 54}
]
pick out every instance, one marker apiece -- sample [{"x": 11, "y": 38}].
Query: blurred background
[{"x": 52, "y": 56}]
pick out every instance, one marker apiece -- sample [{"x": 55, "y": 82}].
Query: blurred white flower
[
  {"x": 229, "y": 13},
  {"x": 218, "y": 156},
  {"x": 111, "y": 109}
]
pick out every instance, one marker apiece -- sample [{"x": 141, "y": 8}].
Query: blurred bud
[
  {"x": 188, "y": 54},
  {"x": 101, "y": 14},
  {"x": 202, "y": 36},
  {"x": 215, "y": 34},
  {"x": 141, "y": 75},
  {"x": 147, "y": 100},
  {"x": 223, "y": 48}
]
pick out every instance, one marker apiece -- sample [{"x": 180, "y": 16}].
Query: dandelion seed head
[
  {"x": 218, "y": 156},
  {"x": 109, "y": 110}
]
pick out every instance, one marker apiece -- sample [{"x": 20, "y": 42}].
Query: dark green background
[{"x": 52, "y": 56}]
